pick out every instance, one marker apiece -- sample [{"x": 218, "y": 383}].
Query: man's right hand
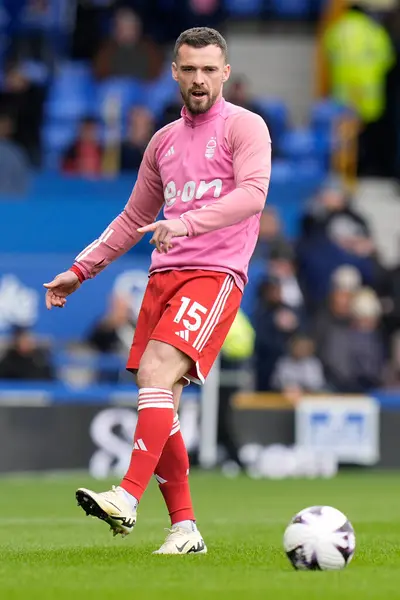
[{"x": 62, "y": 286}]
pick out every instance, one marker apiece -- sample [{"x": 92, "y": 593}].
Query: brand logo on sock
[{"x": 140, "y": 445}]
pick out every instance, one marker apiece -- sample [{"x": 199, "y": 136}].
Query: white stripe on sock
[{"x": 169, "y": 405}]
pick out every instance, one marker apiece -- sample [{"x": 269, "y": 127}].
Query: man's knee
[
  {"x": 149, "y": 373},
  {"x": 162, "y": 366}
]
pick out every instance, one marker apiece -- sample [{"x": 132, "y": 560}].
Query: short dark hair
[{"x": 200, "y": 37}]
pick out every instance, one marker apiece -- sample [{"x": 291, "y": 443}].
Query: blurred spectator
[
  {"x": 390, "y": 298},
  {"x": 172, "y": 111},
  {"x": 90, "y": 21},
  {"x": 14, "y": 164},
  {"x": 205, "y": 13},
  {"x": 331, "y": 213},
  {"x": 333, "y": 234},
  {"x": 128, "y": 53},
  {"x": 40, "y": 31},
  {"x": 274, "y": 323},
  {"x": 282, "y": 266},
  {"x": 300, "y": 370},
  {"x": 357, "y": 358},
  {"x": 113, "y": 334},
  {"x": 392, "y": 375},
  {"x": 23, "y": 101},
  {"x": 270, "y": 237},
  {"x": 24, "y": 359},
  {"x": 359, "y": 55},
  {"x": 140, "y": 130},
  {"x": 239, "y": 93},
  {"x": 332, "y": 322},
  {"x": 84, "y": 156}
]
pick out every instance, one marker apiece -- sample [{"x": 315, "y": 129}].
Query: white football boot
[
  {"x": 110, "y": 507},
  {"x": 182, "y": 541}
]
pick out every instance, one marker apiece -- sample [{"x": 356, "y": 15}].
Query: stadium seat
[
  {"x": 244, "y": 8},
  {"x": 276, "y": 115},
  {"x": 291, "y": 9},
  {"x": 36, "y": 71},
  {"x": 304, "y": 145},
  {"x": 286, "y": 171},
  {"x": 325, "y": 112},
  {"x": 68, "y": 107},
  {"x": 127, "y": 91},
  {"x": 160, "y": 93},
  {"x": 71, "y": 93},
  {"x": 56, "y": 137}
]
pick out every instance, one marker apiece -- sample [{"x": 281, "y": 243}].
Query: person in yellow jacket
[
  {"x": 239, "y": 343},
  {"x": 359, "y": 55}
]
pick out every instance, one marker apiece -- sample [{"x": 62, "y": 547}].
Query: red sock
[
  {"x": 156, "y": 414},
  {"x": 172, "y": 474}
]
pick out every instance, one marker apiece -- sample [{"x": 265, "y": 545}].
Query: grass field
[{"x": 50, "y": 550}]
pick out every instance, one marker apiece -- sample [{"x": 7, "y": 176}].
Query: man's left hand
[{"x": 164, "y": 231}]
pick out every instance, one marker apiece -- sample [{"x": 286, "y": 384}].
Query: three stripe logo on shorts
[
  {"x": 140, "y": 445},
  {"x": 183, "y": 334},
  {"x": 214, "y": 315}
]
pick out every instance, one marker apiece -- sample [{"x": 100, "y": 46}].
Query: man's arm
[
  {"x": 142, "y": 207},
  {"x": 250, "y": 142}
]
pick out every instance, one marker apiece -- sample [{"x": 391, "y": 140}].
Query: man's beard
[{"x": 198, "y": 107}]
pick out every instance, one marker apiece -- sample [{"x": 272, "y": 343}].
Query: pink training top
[{"x": 212, "y": 171}]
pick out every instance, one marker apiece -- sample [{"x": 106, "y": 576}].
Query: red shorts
[{"x": 190, "y": 310}]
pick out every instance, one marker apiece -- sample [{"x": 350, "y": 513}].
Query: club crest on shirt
[{"x": 211, "y": 147}]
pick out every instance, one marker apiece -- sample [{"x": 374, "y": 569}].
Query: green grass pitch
[{"x": 50, "y": 550}]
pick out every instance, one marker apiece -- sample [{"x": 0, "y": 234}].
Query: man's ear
[{"x": 174, "y": 70}]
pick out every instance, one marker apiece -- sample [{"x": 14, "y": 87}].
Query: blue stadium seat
[
  {"x": 71, "y": 93},
  {"x": 127, "y": 91},
  {"x": 160, "y": 93},
  {"x": 291, "y": 9},
  {"x": 57, "y": 136},
  {"x": 305, "y": 145},
  {"x": 36, "y": 71},
  {"x": 68, "y": 107},
  {"x": 286, "y": 171},
  {"x": 276, "y": 114},
  {"x": 244, "y": 8},
  {"x": 75, "y": 74},
  {"x": 325, "y": 112}
]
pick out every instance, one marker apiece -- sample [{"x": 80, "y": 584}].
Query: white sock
[
  {"x": 132, "y": 501},
  {"x": 189, "y": 525}
]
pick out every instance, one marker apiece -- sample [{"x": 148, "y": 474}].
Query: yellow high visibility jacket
[
  {"x": 359, "y": 54},
  {"x": 239, "y": 343}
]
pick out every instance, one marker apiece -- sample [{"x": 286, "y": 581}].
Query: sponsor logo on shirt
[{"x": 191, "y": 190}]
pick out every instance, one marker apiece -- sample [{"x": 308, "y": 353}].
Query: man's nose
[{"x": 199, "y": 78}]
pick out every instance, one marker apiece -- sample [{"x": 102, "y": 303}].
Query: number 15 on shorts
[{"x": 191, "y": 309}]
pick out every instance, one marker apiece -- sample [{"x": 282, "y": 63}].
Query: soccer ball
[{"x": 319, "y": 538}]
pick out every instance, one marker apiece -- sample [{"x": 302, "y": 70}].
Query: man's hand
[
  {"x": 164, "y": 231},
  {"x": 62, "y": 286}
]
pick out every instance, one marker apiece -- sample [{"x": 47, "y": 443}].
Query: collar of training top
[{"x": 194, "y": 120}]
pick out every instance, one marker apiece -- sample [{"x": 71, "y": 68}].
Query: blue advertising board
[{"x": 22, "y": 294}]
